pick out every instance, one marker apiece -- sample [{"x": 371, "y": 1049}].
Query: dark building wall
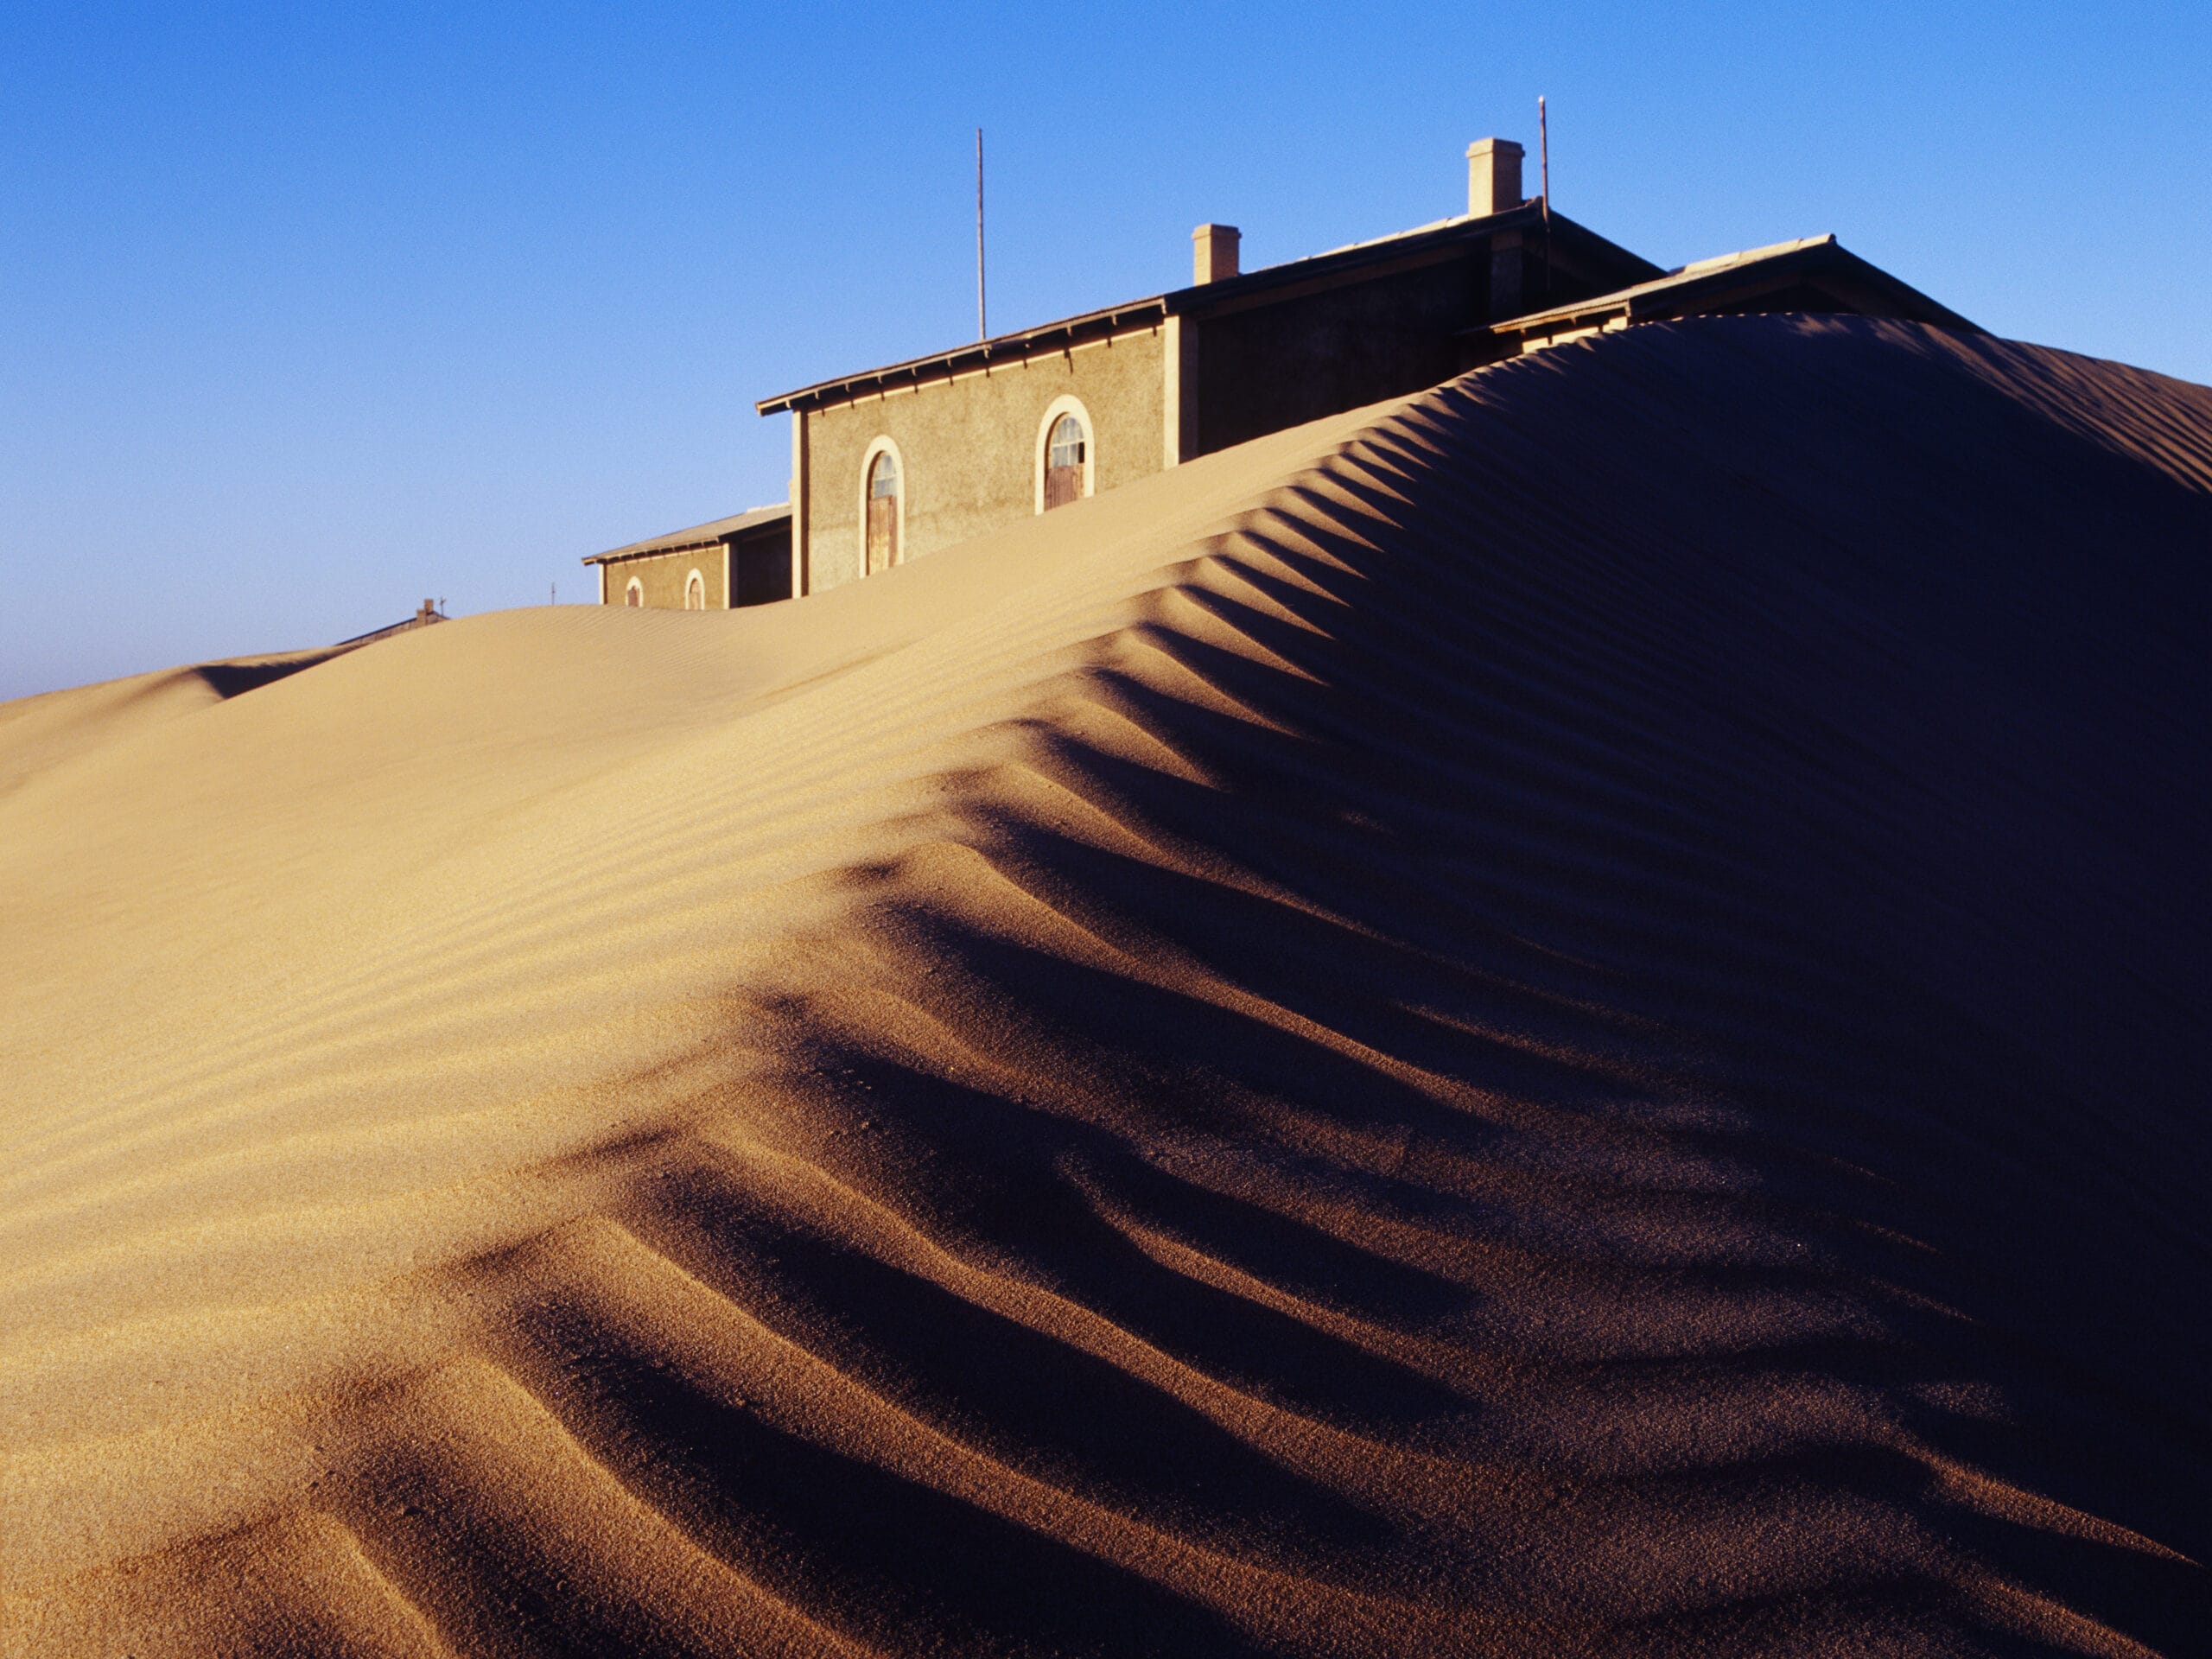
[
  {"x": 1276, "y": 365},
  {"x": 1795, "y": 296},
  {"x": 760, "y": 564},
  {"x": 1282, "y": 361}
]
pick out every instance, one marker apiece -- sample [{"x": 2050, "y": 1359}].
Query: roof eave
[
  {"x": 714, "y": 533},
  {"x": 1113, "y": 319},
  {"x": 621, "y": 554}
]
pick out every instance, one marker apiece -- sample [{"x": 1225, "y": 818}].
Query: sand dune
[{"x": 1565, "y": 1017}]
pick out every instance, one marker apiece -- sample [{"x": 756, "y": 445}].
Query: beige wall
[
  {"x": 663, "y": 575},
  {"x": 971, "y": 447}
]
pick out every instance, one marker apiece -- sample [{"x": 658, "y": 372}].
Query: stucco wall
[
  {"x": 663, "y": 575},
  {"x": 971, "y": 447}
]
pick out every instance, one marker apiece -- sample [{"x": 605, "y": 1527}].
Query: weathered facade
[
  {"x": 744, "y": 560},
  {"x": 971, "y": 447}
]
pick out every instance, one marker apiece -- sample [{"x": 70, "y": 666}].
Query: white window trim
[
  {"x": 638, "y": 586},
  {"x": 699, "y": 576},
  {"x": 881, "y": 446},
  {"x": 1066, "y": 403}
]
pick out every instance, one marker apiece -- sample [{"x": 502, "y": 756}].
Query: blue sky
[{"x": 307, "y": 312}]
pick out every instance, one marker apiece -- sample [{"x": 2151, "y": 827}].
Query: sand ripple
[{"x": 1568, "y": 1017}]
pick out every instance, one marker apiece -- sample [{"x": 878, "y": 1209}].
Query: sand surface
[{"x": 1567, "y": 1017}]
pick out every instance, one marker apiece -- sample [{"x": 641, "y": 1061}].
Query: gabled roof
[
  {"x": 1706, "y": 285},
  {"x": 1322, "y": 269},
  {"x": 706, "y": 535}
]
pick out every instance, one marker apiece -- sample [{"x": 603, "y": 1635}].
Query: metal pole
[
  {"x": 983, "y": 328},
  {"x": 1544, "y": 166},
  {"x": 1544, "y": 153}
]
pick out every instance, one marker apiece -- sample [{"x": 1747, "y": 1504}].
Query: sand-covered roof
[
  {"x": 706, "y": 535},
  {"x": 1564, "y": 1016}
]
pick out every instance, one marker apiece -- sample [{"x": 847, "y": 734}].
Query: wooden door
[
  {"x": 882, "y": 514},
  {"x": 1064, "y": 463}
]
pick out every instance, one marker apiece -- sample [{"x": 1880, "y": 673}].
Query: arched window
[
  {"x": 694, "y": 592},
  {"x": 1066, "y": 455},
  {"x": 634, "y": 595},
  {"x": 882, "y": 513},
  {"x": 1064, "y": 462}
]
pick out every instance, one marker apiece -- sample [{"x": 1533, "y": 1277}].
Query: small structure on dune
[
  {"x": 890, "y": 463},
  {"x": 425, "y": 613}
]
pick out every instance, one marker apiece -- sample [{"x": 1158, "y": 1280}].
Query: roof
[
  {"x": 1205, "y": 297},
  {"x": 421, "y": 618},
  {"x": 1705, "y": 284},
  {"x": 706, "y": 535}
]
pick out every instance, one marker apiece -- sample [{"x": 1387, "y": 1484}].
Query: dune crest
[{"x": 1567, "y": 1016}]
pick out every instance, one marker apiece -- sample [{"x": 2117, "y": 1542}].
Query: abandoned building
[
  {"x": 745, "y": 560},
  {"x": 893, "y": 463},
  {"x": 426, "y": 613}
]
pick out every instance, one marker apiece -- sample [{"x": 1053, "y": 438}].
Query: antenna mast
[
  {"x": 983, "y": 328},
  {"x": 1544, "y": 154},
  {"x": 1544, "y": 166}
]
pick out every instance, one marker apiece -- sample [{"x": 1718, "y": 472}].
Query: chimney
[
  {"x": 1213, "y": 253},
  {"x": 1493, "y": 176}
]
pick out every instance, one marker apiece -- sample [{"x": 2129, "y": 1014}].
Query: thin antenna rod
[
  {"x": 1544, "y": 166},
  {"x": 1544, "y": 153},
  {"x": 983, "y": 326}
]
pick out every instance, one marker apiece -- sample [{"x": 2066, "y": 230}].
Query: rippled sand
[{"x": 1569, "y": 1016}]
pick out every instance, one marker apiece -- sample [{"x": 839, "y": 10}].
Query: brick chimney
[
  {"x": 1213, "y": 253},
  {"x": 1493, "y": 176}
]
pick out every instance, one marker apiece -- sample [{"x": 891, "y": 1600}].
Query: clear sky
[{"x": 309, "y": 312}]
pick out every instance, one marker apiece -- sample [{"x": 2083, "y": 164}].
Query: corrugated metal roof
[{"x": 706, "y": 535}]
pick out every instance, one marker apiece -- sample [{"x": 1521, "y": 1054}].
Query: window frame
[
  {"x": 1065, "y": 403},
  {"x": 882, "y": 444}
]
